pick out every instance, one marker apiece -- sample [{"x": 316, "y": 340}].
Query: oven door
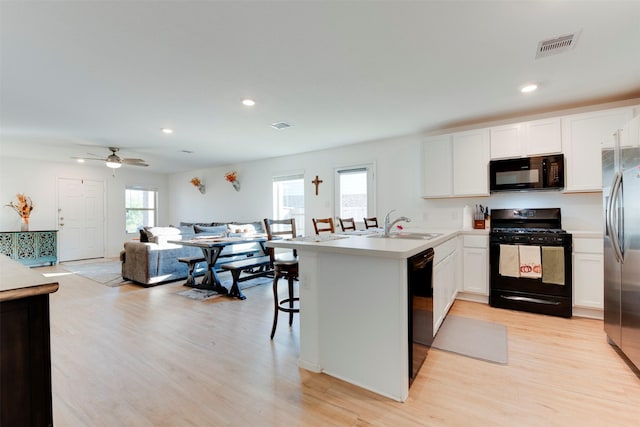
[{"x": 530, "y": 294}]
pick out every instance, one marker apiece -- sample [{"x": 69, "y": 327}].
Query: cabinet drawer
[
  {"x": 588, "y": 246},
  {"x": 444, "y": 250},
  {"x": 475, "y": 241}
]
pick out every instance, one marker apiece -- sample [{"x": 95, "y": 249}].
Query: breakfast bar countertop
[{"x": 397, "y": 248}]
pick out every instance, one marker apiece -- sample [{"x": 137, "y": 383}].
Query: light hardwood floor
[{"x": 134, "y": 356}]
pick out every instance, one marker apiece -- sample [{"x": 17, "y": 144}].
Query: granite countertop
[{"x": 19, "y": 281}]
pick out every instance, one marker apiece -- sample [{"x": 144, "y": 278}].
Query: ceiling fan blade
[
  {"x": 87, "y": 158},
  {"x": 134, "y": 162}
]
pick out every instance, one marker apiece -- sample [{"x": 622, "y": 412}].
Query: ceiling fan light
[{"x": 113, "y": 165}]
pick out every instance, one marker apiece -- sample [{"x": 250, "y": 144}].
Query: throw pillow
[
  {"x": 218, "y": 230},
  {"x": 162, "y": 234},
  {"x": 242, "y": 228}
]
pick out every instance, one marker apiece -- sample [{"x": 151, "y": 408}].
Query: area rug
[
  {"x": 474, "y": 338},
  {"x": 106, "y": 272},
  {"x": 203, "y": 294}
]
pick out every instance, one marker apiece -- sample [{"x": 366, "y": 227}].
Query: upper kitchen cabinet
[
  {"x": 456, "y": 165},
  {"x": 437, "y": 169},
  {"x": 471, "y": 163},
  {"x": 526, "y": 139},
  {"x": 584, "y": 136}
]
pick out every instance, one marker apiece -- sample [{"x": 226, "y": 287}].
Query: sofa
[{"x": 152, "y": 260}]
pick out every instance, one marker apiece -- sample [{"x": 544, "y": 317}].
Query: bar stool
[
  {"x": 283, "y": 267},
  {"x": 347, "y": 224},
  {"x": 371, "y": 222},
  {"x": 323, "y": 225}
]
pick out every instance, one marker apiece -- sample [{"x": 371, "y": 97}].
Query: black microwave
[{"x": 527, "y": 173}]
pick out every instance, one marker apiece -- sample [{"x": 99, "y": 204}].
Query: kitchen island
[{"x": 354, "y": 308}]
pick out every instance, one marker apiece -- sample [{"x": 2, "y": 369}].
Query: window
[
  {"x": 355, "y": 192},
  {"x": 140, "y": 207},
  {"x": 288, "y": 199}
]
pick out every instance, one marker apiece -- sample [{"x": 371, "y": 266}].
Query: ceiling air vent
[
  {"x": 556, "y": 45},
  {"x": 280, "y": 125}
]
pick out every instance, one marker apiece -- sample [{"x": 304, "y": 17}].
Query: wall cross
[{"x": 317, "y": 182}]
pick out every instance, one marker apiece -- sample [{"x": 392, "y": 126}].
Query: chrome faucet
[{"x": 388, "y": 225}]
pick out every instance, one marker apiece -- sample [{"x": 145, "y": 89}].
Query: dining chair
[
  {"x": 371, "y": 222},
  {"x": 347, "y": 224},
  {"x": 323, "y": 225},
  {"x": 284, "y": 266}
]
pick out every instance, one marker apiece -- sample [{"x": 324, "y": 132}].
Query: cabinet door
[
  {"x": 475, "y": 277},
  {"x": 584, "y": 136},
  {"x": 439, "y": 284},
  {"x": 437, "y": 167},
  {"x": 471, "y": 163},
  {"x": 588, "y": 279},
  {"x": 506, "y": 141},
  {"x": 543, "y": 137}
]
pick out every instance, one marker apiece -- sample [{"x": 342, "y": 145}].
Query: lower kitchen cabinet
[
  {"x": 475, "y": 270},
  {"x": 445, "y": 280},
  {"x": 588, "y": 273}
]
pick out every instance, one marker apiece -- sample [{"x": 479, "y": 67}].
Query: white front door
[{"x": 80, "y": 219}]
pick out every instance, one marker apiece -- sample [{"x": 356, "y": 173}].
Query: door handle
[{"x": 613, "y": 229}]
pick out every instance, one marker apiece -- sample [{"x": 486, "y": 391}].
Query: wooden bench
[
  {"x": 191, "y": 262},
  {"x": 252, "y": 266}
]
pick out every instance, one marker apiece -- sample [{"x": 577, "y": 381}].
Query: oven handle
[
  {"x": 611, "y": 227},
  {"x": 529, "y": 299}
]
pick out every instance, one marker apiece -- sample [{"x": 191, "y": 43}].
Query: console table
[{"x": 30, "y": 248}]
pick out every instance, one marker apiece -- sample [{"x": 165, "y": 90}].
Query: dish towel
[
  {"x": 530, "y": 263},
  {"x": 509, "y": 261},
  {"x": 553, "y": 265}
]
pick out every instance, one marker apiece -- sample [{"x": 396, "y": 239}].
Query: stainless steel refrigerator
[{"x": 621, "y": 203}]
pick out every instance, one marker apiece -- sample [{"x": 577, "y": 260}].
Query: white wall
[
  {"x": 398, "y": 187},
  {"x": 38, "y": 180}
]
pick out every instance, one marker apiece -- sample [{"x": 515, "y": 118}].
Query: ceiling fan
[{"x": 114, "y": 161}]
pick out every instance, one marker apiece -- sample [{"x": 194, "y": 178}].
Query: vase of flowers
[
  {"x": 232, "y": 177},
  {"x": 197, "y": 183},
  {"x": 22, "y": 208}
]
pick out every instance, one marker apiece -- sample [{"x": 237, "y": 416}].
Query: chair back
[
  {"x": 347, "y": 224},
  {"x": 371, "y": 222},
  {"x": 285, "y": 228},
  {"x": 323, "y": 225}
]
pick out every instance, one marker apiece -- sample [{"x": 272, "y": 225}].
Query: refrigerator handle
[{"x": 611, "y": 226}]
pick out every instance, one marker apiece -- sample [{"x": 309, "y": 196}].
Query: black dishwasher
[{"x": 420, "y": 287}]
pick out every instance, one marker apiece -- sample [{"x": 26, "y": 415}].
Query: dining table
[{"x": 211, "y": 247}]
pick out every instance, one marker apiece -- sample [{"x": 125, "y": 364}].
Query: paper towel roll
[{"x": 467, "y": 218}]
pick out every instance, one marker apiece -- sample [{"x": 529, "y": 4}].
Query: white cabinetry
[
  {"x": 456, "y": 165},
  {"x": 471, "y": 163},
  {"x": 475, "y": 268},
  {"x": 445, "y": 280},
  {"x": 584, "y": 136},
  {"x": 588, "y": 273},
  {"x": 526, "y": 139},
  {"x": 437, "y": 167}
]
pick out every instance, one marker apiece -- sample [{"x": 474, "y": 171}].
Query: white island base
[
  {"x": 354, "y": 310},
  {"x": 353, "y": 320}
]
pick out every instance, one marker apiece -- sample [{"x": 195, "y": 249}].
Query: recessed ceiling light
[
  {"x": 167, "y": 131},
  {"x": 529, "y": 88},
  {"x": 248, "y": 102},
  {"x": 80, "y": 160}
]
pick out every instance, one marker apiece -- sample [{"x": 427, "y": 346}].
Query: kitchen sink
[{"x": 407, "y": 235}]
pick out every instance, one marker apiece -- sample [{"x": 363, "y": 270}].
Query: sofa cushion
[
  {"x": 248, "y": 228},
  {"x": 204, "y": 224},
  {"x": 160, "y": 235},
  {"x": 217, "y": 230}
]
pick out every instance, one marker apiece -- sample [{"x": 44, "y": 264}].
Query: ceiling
[{"x": 76, "y": 77}]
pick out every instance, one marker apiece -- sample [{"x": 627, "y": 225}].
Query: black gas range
[{"x": 530, "y": 261}]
